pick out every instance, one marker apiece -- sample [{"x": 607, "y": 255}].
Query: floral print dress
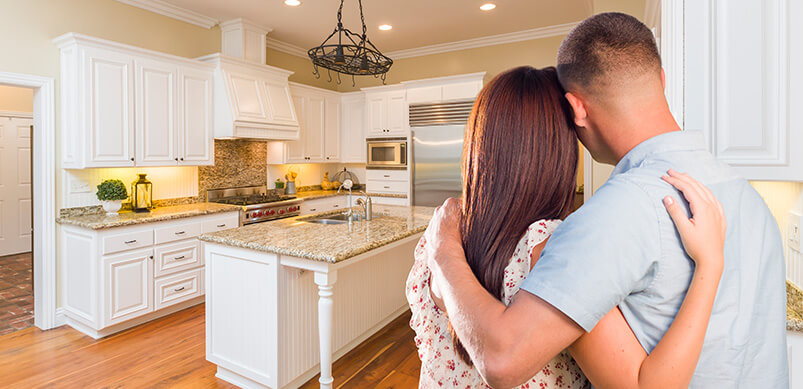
[{"x": 440, "y": 364}]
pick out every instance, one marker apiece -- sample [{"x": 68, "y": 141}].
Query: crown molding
[
  {"x": 518, "y": 36},
  {"x": 173, "y": 11},
  {"x": 492, "y": 40},
  {"x": 285, "y": 47}
]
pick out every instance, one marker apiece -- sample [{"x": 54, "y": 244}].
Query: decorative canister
[{"x": 141, "y": 194}]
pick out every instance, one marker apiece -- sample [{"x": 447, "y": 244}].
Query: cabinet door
[
  {"x": 196, "y": 138},
  {"x": 279, "y": 102},
  {"x": 294, "y": 150},
  {"x": 397, "y": 114},
  {"x": 377, "y": 114},
  {"x": 331, "y": 143},
  {"x": 128, "y": 286},
  {"x": 110, "y": 108},
  {"x": 353, "y": 130},
  {"x": 157, "y": 133},
  {"x": 314, "y": 125}
]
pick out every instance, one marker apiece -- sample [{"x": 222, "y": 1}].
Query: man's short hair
[{"x": 606, "y": 49}]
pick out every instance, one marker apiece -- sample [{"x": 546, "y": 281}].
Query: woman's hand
[{"x": 703, "y": 235}]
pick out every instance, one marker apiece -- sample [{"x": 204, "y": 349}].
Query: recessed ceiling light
[
  {"x": 486, "y": 6},
  {"x": 385, "y": 27},
  {"x": 292, "y": 3}
]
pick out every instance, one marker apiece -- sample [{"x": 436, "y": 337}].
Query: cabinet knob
[
  {"x": 182, "y": 158},
  {"x": 176, "y": 159},
  {"x": 132, "y": 159}
]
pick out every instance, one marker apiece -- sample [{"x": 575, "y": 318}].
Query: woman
[{"x": 521, "y": 152}]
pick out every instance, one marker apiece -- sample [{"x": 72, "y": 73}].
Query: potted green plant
[{"x": 111, "y": 194}]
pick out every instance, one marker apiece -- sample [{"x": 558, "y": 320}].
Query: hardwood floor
[{"x": 170, "y": 352}]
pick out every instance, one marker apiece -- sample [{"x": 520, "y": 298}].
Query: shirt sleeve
[{"x": 601, "y": 254}]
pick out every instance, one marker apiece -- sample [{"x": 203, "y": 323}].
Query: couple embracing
[{"x": 646, "y": 285}]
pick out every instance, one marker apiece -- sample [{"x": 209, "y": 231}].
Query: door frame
[{"x": 43, "y": 192}]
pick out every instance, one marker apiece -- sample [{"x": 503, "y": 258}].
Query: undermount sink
[{"x": 334, "y": 219}]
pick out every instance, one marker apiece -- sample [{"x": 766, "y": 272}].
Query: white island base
[{"x": 274, "y": 321}]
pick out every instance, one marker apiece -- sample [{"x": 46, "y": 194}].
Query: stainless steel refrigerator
[{"x": 437, "y": 135}]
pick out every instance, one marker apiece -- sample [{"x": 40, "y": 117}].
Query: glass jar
[{"x": 141, "y": 194}]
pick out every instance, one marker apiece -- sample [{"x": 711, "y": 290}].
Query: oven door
[{"x": 386, "y": 153}]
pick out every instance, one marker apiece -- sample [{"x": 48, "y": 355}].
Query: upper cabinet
[
  {"x": 252, "y": 100},
  {"x": 123, "y": 106},
  {"x": 319, "y": 136},
  {"x": 387, "y": 111},
  {"x": 444, "y": 89},
  {"x": 738, "y": 86},
  {"x": 353, "y": 128}
]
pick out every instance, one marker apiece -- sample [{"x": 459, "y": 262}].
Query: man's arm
[{"x": 508, "y": 345}]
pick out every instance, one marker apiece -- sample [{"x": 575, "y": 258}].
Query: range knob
[
  {"x": 258, "y": 213},
  {"x": 271, "y": 212},
  {"x": 281, "y": 212}
]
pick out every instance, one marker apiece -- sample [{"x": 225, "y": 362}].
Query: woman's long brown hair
[{"x": 519, "y": 166}]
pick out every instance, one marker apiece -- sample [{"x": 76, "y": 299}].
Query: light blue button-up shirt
[{"x": 621, "y": 248}]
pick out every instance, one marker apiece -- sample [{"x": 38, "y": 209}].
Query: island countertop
[
  {"x": 100, "y": 220},
  {"x": 328, "y": 243},
  {"x": 794, "y": 308}
]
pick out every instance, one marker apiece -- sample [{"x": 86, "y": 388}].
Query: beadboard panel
[
  {"x": 168, "y": 183},
  {"x": 355, "y": 311}
]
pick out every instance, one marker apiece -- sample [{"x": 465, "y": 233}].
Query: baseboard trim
[{"x": 61, "y": 318}]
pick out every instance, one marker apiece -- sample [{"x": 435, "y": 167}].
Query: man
[{"x": 621, "y": 248}]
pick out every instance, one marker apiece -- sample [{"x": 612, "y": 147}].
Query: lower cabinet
[
  {"x": 794, "y": 345},
  {"x": 116, "y": 278},
  {"x": 325, "y": 204}
]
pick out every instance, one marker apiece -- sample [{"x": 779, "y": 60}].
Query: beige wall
[
  {"x": 302, "y": 68},
  {"x": 16, "y": 99}
]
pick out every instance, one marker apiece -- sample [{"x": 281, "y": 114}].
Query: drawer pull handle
[
  {"x": 130, "y": 241},
  {"x": 336, "y": 205},
  {"x": 221, "y": 225},
  {"x": 178, "y": 289},
  {"x": 179, "y": 257},
  {"x": 313, "y": 209},
  {"x": 180, "y": 233},
  {"x": 387, "y": 187},
  {"x": 386, "y": 176}
]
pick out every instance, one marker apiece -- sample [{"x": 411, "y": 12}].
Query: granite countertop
[
  {"x": 317, "y": 194},
  {"x": 794, "y": 308},
  {"x": 327, "y": 243},
  {"x": 99, "y": 220}
]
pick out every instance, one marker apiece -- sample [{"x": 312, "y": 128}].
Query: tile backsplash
[{"x": 238, "y": 162}]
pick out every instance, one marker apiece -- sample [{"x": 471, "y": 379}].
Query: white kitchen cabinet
[
  {"x": 325, "y": 204},
  {"x": 124, "y": 106},
  {"x": 318, "y": 113},
  {"x": 794, "y": 346},
  {"x": 738, "y": 86},
  {"x": 116, "y": 278},
  {"x": 128, "y": 286},
  {"x": 387, "y": 111},
  {"x": 353, "y": 128},
  {"x": 444, "y": 89}
]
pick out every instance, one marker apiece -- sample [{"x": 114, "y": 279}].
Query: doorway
[{"x": 16, "y": 209}]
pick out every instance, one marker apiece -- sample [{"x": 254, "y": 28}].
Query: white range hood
[{"x": 252, "y": 100}]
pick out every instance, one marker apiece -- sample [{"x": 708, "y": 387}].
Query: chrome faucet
[
  {"x": 347, "y": 184},
  {"x": 367, "y": 206}
]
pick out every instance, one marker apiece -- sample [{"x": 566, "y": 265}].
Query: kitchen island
[{"x": 285, "y": 298}]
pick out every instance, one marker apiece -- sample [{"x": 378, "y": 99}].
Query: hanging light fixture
[{"x": 346, "y": 52}]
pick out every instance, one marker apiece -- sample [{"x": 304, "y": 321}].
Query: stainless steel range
[{"x": 258, "y": 205}]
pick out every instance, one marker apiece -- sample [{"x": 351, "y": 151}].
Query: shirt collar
[{"x": 670, "y": 141}]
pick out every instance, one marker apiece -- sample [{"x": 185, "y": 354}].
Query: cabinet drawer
[
  {"x": 323, "y": 205},
  {"x": 388, "y": 186},
  {"x": 222, "y": 223},
  {"x": 387, "y": 175},
  {"x": 174, "y": 258},
  {"x": 176, "y": 232},
  {"x": 127, "y": 241},
  {"x": 176, "y": 288}
]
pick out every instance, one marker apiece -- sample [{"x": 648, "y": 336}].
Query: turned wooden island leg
[{"x": 325, "y": 282}]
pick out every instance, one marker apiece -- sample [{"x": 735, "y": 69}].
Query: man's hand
[{"x": 443, "y": 239}]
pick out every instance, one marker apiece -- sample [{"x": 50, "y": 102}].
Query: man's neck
[{"x": 639, "y": 128}]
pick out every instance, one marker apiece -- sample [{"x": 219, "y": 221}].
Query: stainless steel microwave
[{"x": 386, "y": 153}]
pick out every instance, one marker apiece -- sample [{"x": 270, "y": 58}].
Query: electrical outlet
[
  {"x": 77, "y": 186},
  {"x": 793, "y": 230}
]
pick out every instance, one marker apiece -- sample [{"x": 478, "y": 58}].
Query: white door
[
  {"x": 157, "y": 130},
  {"x": 353, "y": 138},
  {"x": 294, "y": 150},
  {"x": 313, "y": 134},
  {"x": 377, "y": 114},
  {"x": 397, "y": 114},
  {"x": 196, "y": 138},
  {"x": 15, "y": 185},
  {"x": 128, "y": 286},
  {"x": 110, "y": 108},
  {"x": 331, "y": 142}
]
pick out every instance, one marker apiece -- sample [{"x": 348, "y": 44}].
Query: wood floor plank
[{"x": 170, "y": 353}]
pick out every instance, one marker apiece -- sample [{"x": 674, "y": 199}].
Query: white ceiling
[{"x": 416, "y": 23}]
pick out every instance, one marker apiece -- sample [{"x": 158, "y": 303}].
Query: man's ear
[
  {"x": 579, "y": 108},
  {"x": 663, "y": 78}
]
